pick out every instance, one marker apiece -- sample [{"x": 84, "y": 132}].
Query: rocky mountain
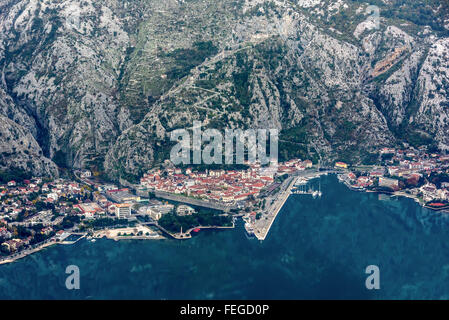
[{"x": 100, "y": 84}]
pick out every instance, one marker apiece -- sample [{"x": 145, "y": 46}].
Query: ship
[{"x": 249, "y": 230}]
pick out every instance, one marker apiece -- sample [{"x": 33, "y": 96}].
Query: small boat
[
  {"x": 196, "y": 230},
  {"x": 93, "y": 240}
]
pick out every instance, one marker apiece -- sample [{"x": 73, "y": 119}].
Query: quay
[
  {"x": 78, "y": 236},
  {"x": 187, "y": 234},
  {"x": 27, "y": 252},
  {"x": 263, "y": 226}
]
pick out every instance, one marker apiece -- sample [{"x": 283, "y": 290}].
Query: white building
[
  {"x": 184, "y": 210},
  {"x": 123, "y": 211}
]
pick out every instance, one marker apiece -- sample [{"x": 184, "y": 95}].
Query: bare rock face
[
  {"x": 432, "y": 115},
  {"x": 18, "y": 149},
  {"x": 102, "y": 83},
  {"x": 61, "y": 64}
]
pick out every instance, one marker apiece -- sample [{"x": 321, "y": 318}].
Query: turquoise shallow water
[{"x": 316, "y": 249}]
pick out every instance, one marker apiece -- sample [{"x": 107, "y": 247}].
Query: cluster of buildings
[
  {"x": 20, "y": 199},
  {"x": 404, "y": 168},
  {"x": 430, "y": 192},
  {"x": 37, "y": 206},
  {"x": 156, "y": 209},
  {"x": 42, "y": 207},
  {"x": 226, "y": 186}
]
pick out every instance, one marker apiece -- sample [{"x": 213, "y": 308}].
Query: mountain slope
[{"x": 100, "y": 84}]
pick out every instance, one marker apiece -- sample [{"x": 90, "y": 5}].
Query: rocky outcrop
[{"x": 18, "y": 149}]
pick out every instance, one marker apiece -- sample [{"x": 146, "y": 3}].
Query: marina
[{"x": 297, "y": 184}]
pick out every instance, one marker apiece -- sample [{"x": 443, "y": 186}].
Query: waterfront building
[
  {"x": 389, "y": 183},
  {"x": 12, "y": 245},
  {"x": 376, "y": 173},
  {"x": 308, "y": 163},
  {"x": 351, "y": 176}
]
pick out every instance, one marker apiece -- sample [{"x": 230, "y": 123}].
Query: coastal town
[
  {"x": 179, "y": 202},
  {"x": 409, "y": 172},
  {"x": 38, "y": 212}
]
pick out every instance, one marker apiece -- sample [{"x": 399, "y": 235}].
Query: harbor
[{"x": 296, "y": 184}]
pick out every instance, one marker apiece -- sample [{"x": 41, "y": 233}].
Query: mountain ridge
[{"x": 101, "y": 84}]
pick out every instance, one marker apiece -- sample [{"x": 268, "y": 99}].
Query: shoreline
[
  {"x": 188, "y": 234},
  {"x": 398, "y": 194},
  {"x": 113, "y": 234},
  {"x": 22, "y": 255},
  {"x": 262, "y": 232},
  {"x": 108, "y": 234}
]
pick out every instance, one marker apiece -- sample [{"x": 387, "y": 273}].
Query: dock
[
  {"x": 77, "y": 236},
  {"x": 262, "y": 227}
]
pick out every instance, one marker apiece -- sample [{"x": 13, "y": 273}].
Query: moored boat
[{"x": 249, "y": 229}]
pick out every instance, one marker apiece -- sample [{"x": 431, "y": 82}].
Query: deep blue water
[{"x": 316, "y": 249}]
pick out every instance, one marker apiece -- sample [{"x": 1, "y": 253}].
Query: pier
[
  {"x": 73, "y": 238},
  {"x": 263, "y": 225}
]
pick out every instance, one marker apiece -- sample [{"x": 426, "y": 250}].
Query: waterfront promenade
[{"x": 27, "y": 252}]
